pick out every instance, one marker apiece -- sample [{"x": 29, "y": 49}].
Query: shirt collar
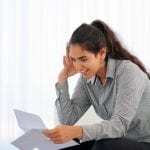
[
  {"x": 91, "y": 80},
  {"x": 111, "y": 68}
]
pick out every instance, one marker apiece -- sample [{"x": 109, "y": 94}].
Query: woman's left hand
[{"x": 63, "y": 133}]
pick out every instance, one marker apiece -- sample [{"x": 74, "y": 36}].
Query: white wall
[{"x": 33, "y": 35}]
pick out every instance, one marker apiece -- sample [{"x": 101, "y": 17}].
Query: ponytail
[{"x": 114, "y": 48}]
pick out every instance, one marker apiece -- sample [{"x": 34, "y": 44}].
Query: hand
[
  {"x": 63, "y": 133},
  {"x": 68, "y": 69}
]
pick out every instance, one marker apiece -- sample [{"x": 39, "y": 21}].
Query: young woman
[{"x": 114, "y": 82}]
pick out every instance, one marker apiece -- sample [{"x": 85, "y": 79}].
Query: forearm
[
  {"x": 112, "y": 128},
  {"x": 68, "y": 111},
  {"x": 62, "y": 78}
]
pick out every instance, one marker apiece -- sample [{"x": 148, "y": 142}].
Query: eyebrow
[{"x": 82, "y": 57}]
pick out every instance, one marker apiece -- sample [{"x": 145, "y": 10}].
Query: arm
[
  {"x": 131, "y": 83},
  {"x": 70, "y": 110}
]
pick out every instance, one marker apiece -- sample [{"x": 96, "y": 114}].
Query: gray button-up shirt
[{"x": 123, "y": 103}]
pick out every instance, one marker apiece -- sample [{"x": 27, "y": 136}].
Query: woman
[{"x": 114, "y": 82}]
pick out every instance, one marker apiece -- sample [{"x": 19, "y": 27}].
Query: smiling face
[{"x": 85, "y": 62}]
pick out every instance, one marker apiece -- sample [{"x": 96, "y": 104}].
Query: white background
[{"x": 33, "y": 36}]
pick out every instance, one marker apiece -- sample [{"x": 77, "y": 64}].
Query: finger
[
  {"x": 54, "y": 136},
  {"x": 67, "y": 50},
  {"x": 45, "y": 132},
  {"x": 49, "y": 132},
  {"x": 58, "y": 142},
  {"x": 64, "y": 60},
  {"x": 57, "y": 138}
]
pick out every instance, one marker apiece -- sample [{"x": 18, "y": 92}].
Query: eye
[{"x": 84, "y": 60}]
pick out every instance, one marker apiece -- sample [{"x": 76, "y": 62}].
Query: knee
[
  {"x": 116, "y": 144},
  {"x": 103, "y": 144}
]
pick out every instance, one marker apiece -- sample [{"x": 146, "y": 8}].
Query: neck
[{"x": 102, "y": 74}]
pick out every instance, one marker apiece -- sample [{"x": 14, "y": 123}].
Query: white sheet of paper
[
  {"x": 33, "y": 139},
  {"x": 27, "y": 121}
]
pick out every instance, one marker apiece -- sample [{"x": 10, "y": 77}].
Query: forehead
[{"x": 76, "y": 50}]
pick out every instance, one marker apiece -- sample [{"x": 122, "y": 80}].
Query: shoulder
[
  {"x": 123, "y": 68},
  {"x": 129, "y": 69}
]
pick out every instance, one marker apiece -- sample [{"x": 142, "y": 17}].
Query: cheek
[{"x": 93, "y": 67}]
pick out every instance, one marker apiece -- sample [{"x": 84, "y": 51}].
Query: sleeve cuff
[
  {"x": 62, "y": 90},
  {"x": 88, "y": 133}
]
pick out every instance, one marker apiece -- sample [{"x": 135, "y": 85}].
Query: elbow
[
  {"x": 67, "y": 120},
  {"x": 122, "y": 129}
]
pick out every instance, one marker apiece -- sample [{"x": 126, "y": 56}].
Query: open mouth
[{"x": 84, "y": 72}]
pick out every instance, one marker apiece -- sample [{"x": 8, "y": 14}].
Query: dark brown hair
[{"x": 97, "y": 35}]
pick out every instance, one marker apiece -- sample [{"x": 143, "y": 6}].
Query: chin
[{"x": 87, "y": 76}]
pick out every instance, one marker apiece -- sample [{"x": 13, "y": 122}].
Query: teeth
[{"x": 83, "y": 70}]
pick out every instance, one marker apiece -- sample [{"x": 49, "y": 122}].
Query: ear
[{"x": 102, "y": 53}]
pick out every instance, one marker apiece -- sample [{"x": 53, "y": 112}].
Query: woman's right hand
[{"x": 68, "y": 70}]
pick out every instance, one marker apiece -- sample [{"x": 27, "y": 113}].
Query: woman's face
[{"x": 85, "y": 62}]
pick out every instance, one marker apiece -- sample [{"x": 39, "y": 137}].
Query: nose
[{"x": 78, "y": 65}]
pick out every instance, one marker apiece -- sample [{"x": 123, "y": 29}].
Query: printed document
[{"x": 33, "y": 138}]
